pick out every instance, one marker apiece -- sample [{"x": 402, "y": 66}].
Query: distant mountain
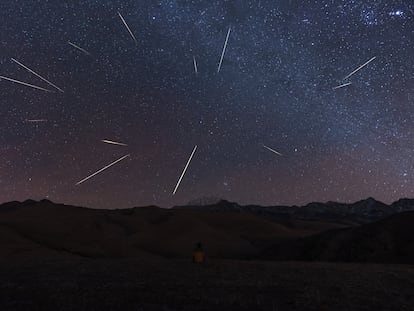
[
  {"x": 203, "y": 201},
  {"x": 360, "y": 212}
]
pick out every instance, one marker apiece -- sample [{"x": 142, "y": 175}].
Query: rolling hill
[
  {"x": 37, "y": 228},
  {"x": 315, "y": 232}
]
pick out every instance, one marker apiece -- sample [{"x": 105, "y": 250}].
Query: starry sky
[{"x": 275, "y": 88}]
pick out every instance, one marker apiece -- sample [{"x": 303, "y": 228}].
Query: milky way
[{"x": 162, "y": 95}]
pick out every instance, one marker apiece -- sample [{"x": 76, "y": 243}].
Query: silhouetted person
[{"x": 198, "y": 254}]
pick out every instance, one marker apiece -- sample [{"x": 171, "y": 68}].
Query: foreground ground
[{"x": 161, "y": 284}]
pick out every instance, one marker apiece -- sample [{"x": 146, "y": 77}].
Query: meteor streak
[
  {"x": 195, "y": 65},
  {"x": 359, "y": 68},
  {"x": 127, "y": 27},
  {"x": 37, "y": 75},
  {"x": 79, "y": 48},
  {"x": 342, "y": 85},
  {"x": 185, "y": 169},
  {"x": 36, "y": 120},
  {"x": 102, "y": 169},
  {"x": 26, "y": 84},
  {"x": 113, "y": 142},
  {"x": 224, "y": 50},
  {"x": 272, "y": 150}
]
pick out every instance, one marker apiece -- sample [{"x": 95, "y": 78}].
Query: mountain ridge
[{"x": 359, "y": 212}]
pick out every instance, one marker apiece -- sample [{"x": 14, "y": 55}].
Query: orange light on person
[{"x": 198, "y": 254}]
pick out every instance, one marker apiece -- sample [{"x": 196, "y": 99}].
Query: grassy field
[{"x": 158, "y": 284}]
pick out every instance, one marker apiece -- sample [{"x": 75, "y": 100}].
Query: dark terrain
[
  {"x": 320, "y": 257},
  {"x": 172, "y": 284}
]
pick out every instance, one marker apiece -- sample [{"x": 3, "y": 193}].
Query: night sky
[{"x": 275, "y": 87}]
